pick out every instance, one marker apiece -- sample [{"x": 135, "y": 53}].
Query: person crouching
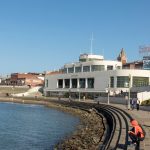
[{"x": 136, "y": 133}]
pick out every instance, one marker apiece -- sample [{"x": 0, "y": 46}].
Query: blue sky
[{"x": 39, "y": 35}]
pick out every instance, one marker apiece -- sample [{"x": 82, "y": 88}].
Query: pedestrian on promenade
[
  {"x": 84, "y": 98},
  {"x": 136, "y": 133},
  {"x": 132, "y": 103},
  {"x": 69, "y": 98},
  {"x": 59, "y": 98},
  {"x": 137, "y": 104}
]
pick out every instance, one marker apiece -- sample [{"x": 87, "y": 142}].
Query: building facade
[
  {"x": 29, "y": 79},
  {"x": 93, "y": 75}
]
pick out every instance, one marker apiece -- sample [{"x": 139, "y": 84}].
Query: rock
[{"x": 88, "y": 136}]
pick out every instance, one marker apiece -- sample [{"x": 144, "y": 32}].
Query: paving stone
[{"x": 143, "y": 117}]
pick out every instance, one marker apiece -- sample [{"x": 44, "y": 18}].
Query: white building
[{"x": 93, "y": 74}]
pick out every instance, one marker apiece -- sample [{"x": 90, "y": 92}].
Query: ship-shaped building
[{"x": 92, "y": 75}]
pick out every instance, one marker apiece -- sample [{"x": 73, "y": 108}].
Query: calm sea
[{"x": 33, "y": 127}]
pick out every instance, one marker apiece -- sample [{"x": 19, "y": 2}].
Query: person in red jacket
[{"x": 136, "y": 133}]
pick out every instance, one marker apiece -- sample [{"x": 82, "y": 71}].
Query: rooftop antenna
[
  {"x": 92, "y": 43},
  {"x": 144, "y": 50},
  {"x": 103, "y": 51}
]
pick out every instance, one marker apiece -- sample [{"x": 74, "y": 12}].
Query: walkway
[{"x": 143, "y": 117}]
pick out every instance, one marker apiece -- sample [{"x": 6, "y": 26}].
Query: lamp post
[
  {"x": 69, "y": 94},
  {"x": 129, "y": 92},
  {"x": 108, "y": 90},
  {"x": 126, "y": 85},
  {"x": 79, "y": 93}
]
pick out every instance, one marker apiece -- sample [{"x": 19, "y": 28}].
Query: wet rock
[{"x": 88, "y": 135}]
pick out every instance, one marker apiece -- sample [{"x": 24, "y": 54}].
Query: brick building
[
  {"x": 129, "y": 65},
  {"x": 133, "y": 65},
  {"x": 29, "y": 79}
]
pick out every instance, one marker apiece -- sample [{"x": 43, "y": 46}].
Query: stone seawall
[{"x": 87, "y": 135}]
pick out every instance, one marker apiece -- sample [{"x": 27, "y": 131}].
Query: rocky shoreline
[
  {"x": 88, "y": 134},
  {"x": 87, "y": 137}
]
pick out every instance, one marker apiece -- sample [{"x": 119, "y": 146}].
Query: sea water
[{"x": 33, "y": 127}]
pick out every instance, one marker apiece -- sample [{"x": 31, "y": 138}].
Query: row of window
[
  {"x": 88, "y": 68},
  {"x": 123, "y": 81},
  {"x": 76, "y": 83},
  {"x": 140, "y": 81}
]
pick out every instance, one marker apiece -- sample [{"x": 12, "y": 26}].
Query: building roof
[{"x": 54, "y": 72}]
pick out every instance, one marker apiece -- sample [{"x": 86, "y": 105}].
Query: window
[
  {"x": 77, "y": 69},
  {"x": 109, "y": 67},
  {"x": 118, "y": 67},
  {"x": 97, "y": 67},
  {"x": 86, "y": 68},
  {"x": 64, "y": 70},
  {"x": 123, "y": 81},
  {"x": 74, "y": 83},
  {"x": 82, "y": 60},
  {"x": 111, "y": 82},
  {"x": 140, "y": 81},
  {"x": 46, "y": 82},
  {"x": 67, "y": 83},
  {"x": 90, "y": 82},
  {"x": 60, "y": 83},
  {"x": 71, "y": 70},
  {"x": 82, "y": 83}
]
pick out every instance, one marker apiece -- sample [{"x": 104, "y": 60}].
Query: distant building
[
  {"x": 5, "y": 80},
  {"x": 29, "y": 79},
  {"x": 133, "y": 65},
  {"x": 122, "y": 57},
  {"x": 140, "y": 64}
]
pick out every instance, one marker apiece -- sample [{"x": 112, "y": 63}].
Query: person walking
[
  {"x": 136, "y": 133},
  {"x": 84, "y": 98},
  {"x": 137, "y": 104},
  {"x": 132, "y": 103}
]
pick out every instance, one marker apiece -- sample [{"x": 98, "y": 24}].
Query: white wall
[
  {"x": 142, "y": 96},
  {"x": 140, "y": 89},
  {"x": 101, "y": 79},
  {"x": 115, "y": 100}
]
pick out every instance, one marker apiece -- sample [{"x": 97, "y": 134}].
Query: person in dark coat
[
  {"x": 137, "y": 104},
  {"x": 132, "y": 103}
]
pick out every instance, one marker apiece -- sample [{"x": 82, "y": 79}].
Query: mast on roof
[{"x": 92, "y": 43}]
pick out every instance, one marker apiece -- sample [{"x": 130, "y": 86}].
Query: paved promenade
[{"x": 143, "y": 117}]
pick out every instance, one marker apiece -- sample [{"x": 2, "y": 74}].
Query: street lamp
[
  {"x": 69, "y": 94},
  {"x": 108, "y": 90},
  {"x": 79, "y": 93},
  {"x": 129, "y": 92}
]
